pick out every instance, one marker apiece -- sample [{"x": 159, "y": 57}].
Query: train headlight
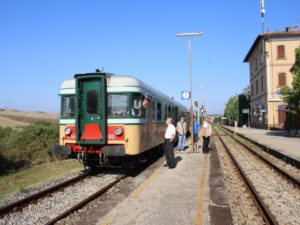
[
  {"x": 118, "y": 131},
  {"x": 68, "y": 131}
]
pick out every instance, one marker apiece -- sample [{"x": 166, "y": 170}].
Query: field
[
  {"x": 26, "y": 140},
  {"x": 16, "y": 118}
]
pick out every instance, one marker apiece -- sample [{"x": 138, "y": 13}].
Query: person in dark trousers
[
  {"x": 206, "y": 133},
  {"x": 169, "y": 136},
  {"x": 181, "y": 129},
  {"x": 196, "y": 133}
]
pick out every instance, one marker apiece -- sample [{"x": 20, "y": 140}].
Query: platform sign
[
  {"x": 196, "y": 104},
  {"x": 185, "y": 95}
]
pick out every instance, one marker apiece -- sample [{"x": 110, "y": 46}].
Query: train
[{"x": 109, "y": 119}]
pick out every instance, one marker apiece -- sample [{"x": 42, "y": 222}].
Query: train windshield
[
  {"x": 68, "y": 106},
  {"x": 118, "y": 105},
  {"x": 125, "y": 105}
]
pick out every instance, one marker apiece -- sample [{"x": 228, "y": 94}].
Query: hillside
[{"x": 15, "y": 118}]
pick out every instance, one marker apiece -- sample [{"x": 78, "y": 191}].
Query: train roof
[
  {"x": 67, "y": 87},
  {"x": 130, "y": 81},
  {"x": 122, "y": 81}
]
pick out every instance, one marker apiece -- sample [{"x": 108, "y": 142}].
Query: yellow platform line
[{"x": 201, "y": 192}]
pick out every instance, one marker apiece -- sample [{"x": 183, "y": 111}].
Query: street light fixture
[{"x": 190, "y": 34}]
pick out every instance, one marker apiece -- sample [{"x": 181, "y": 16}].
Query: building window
[
  {"x": 262, "y": 83},
  {"x": 256, "y": 87},
  {"x": 261, "y": 56},
  {"x": 252, "y": 90},
  {"x": 251, "y": 69},
  {"x": 280, "y": 52},
  {"x": 255, "y": 63},
  {"x": 281, "y": 79}
]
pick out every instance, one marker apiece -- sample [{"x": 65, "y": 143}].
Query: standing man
[
  {"x": 170, "y": 133},
  {"x": 181, "y": 129},
  {"x": 196, "y": 134},
  {"x": 206, "y": 133}
]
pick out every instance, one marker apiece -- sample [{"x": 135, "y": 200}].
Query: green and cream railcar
[
  {"x": 67, "y": 132},
  {"x": 112, "y": 122}
]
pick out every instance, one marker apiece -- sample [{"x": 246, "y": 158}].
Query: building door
[{"x": 281, "y": 118}]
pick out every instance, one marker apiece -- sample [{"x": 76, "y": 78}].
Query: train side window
[
  {"x": 153, "y": 110},
  {"x": 137, "y": 109},
  {"x": 159, "y": 112},
  {"x": 68, "y": 107},
  {"x": 92, "y": 101},
  {"x": 169, "y": 111},
  {"x": 166, "y": 112}
]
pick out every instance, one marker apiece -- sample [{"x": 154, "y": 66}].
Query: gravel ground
[
  {"x": 281, "y": 197},
  {"x": 35, "y": 189},
  {"x": 242, "y": 208},
  {"x": 50, "y": 207},
  {"x": 293, "y": 171}
]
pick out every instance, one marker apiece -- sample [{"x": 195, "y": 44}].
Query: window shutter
[
  {"x": 280, "y": 52},
  {"x": 281, "y": 79}
]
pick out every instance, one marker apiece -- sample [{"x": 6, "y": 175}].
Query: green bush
[{"x": 26, "y": 146}]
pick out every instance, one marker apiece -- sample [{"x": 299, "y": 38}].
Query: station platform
[
  {"x": 274, "y": 140},
  {"x": 191, "y": 193}
]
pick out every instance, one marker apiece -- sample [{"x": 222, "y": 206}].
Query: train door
[{"x": 91, "y": 119}]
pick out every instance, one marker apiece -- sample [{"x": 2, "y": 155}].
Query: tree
[
  {"x": 232, "y": 110},
  {"x": 292, "y": 95},
  {"x": 235, "y": 105}
]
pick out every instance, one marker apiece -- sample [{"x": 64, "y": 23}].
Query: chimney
[{"x": 287, "y": 29}]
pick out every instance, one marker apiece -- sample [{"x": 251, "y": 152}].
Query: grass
[{"x": 23, "y": 179}]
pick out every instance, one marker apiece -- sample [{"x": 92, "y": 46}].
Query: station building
[{"x": 270, "y": 59}]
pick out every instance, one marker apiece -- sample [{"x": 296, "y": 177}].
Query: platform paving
[
  {"x": 168, "y": 196},
  {"x": 275, "y": 140}
]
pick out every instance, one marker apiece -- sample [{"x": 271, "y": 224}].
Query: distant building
[{"x": 270, "y": 58}]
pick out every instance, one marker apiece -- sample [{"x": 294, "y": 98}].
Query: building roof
[{"x": 279, "y": 34}]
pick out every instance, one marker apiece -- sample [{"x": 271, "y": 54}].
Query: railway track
[
  {"x": 292, "y": 176},
  {"x": 56, "y": 203},
  {"x": 85, "y": 201},
  {"x": 18, "y": 205},
  {"x": 275, "y": 192}
]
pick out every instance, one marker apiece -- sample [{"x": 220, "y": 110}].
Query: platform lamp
[{"x": 182, "y": 35}]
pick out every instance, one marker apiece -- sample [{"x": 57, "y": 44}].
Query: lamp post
[{"x": 190, "y": 34}]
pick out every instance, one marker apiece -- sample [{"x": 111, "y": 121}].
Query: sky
[{"x": 43, "y": 43}]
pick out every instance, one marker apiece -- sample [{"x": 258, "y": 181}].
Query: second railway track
[{"x": 277, "y": 197}]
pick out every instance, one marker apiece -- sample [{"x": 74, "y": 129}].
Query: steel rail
[
  {"x": 265, "y": 212},
  {"x": 283, "y": 173},
  {"x": 85, "y": 201},
  {"x": 25, "y": 201}
]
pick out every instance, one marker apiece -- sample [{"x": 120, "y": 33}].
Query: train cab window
[
  {"x": 92, "y": 101},
  {"x": 68, "y": 107},
  {"x": 118, "y": 105},
  {"x": 137, "y": 109}
]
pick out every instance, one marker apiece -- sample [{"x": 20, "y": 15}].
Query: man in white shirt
[{"x": 169, "y": 136}]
